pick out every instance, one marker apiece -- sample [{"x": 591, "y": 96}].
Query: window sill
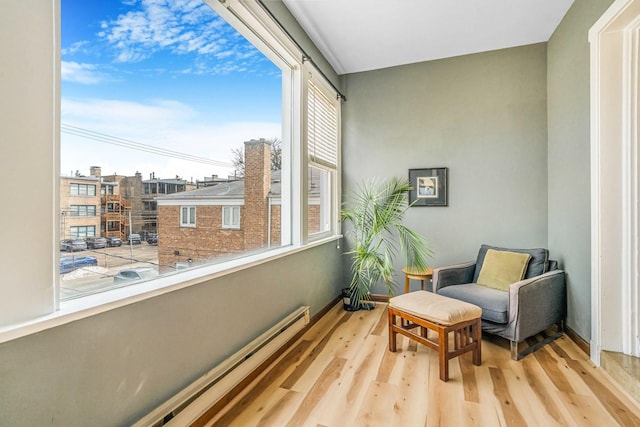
[{"x": 94, "y": 304}]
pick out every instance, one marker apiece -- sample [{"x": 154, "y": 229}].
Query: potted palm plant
[{"x": 374, "y": 216}]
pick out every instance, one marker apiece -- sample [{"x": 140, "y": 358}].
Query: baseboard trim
[
  {"x": 227, "y": 398},
  {"x": 380, "y": 298},
  {"x": 580, "y": 342}
]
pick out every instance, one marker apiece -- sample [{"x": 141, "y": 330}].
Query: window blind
[{"x": 322, "y": 127}]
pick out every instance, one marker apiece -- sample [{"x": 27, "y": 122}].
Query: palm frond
[{"x": 374, "y": 215}]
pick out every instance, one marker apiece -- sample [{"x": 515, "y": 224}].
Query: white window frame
[
  {"x": 330, "y": 198},
  {"x": 37, "y": 308},
  {"x": 327, "y": 201},
  {"x": 232, "y": 212},
  {"x": 188, "y": 220}
]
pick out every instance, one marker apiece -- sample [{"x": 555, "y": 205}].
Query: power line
[{"x": 127, "y": 143}]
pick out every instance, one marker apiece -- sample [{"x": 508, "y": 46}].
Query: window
[
  {"x": 188, "y": 216},
  {"x": 322, "y": 145},
  {"x": 319, "y": 200},
  {"x": 93, "y": 97},
  {"x": 231, "y": 217},
  {"x": 83, "y": 190},
  {"x": 165, "y": 149},
  {"x": 82, "y": 231},
  {"x": 83, "y": 210}
]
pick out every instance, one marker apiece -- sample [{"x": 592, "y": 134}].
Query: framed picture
[{"x": 428, "y": 187}]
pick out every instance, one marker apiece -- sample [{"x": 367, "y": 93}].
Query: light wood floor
[{"x": 340, "y": 373}]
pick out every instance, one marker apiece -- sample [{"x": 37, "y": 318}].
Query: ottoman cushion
[{"x": 435, "y": 308}]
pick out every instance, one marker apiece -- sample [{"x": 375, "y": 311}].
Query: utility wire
[{"x": 127, "y": 143}]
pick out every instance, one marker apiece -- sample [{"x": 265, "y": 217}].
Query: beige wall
[
  {"x": 569, "y": 160},
  {"x": 484, "y": 117}
]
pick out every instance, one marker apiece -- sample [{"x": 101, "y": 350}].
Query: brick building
[{"x": 225, "y": 219}]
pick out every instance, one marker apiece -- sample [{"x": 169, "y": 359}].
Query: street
[{"x": 89, "y": 280}]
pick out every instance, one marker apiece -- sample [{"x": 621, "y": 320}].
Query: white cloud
[
  {"x": 181, "y": 27},
  {"x": 75, "y": 47},
  {"x": 81, "y": 73},
  {"x": 163, "y": 123}
]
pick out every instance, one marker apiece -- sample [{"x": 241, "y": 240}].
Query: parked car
[
  {"x": 137, "y": 273},
  {"x": 135, "y": 239},
  {"x": 96, "y": 242},
  {"x": 114, "y": 241},
  {"x": 71, "y": 263},
  {"x": 72, "y": 245},
  {"x": 152, "y": 239}
]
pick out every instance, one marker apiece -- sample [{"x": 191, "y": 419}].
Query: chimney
[
  {"x": 257, "y": 184},
  {"x": 95, "y": 171}
]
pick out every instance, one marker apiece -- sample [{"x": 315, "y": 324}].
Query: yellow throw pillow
[{"x": 502, "y": 268}]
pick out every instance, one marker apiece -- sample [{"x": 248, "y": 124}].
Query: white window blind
[{"x": 322, "y": 127}]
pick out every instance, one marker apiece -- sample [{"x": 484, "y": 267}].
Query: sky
[{"x": 140, "y": 77}]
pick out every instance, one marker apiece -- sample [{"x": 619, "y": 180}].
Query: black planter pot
[
  {"x": 350, "y": 304},
  {"x": 347, "y": 301}
]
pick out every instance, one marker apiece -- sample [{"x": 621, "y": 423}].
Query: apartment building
[{"x": 79, "y": 206}]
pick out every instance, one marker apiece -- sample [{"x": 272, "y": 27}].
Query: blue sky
[{"x": 166, "y": 73}]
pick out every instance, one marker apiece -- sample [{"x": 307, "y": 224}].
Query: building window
[
  {"x": 83, "y": 210},
  {"x": 188, "y": 216},
  {"x": 83, "y": 189},
  {"x": 82, "y": 231},
  {"x": 231, "y": 217}
]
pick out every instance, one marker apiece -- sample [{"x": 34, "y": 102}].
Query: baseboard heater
[{"x": 189, "y": 404}]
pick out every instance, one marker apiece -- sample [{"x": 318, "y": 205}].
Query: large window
[
  {"x": 196, "y": 121},
  {"x": 118, "y": 139},
  {"x": 323, "y": 123}
]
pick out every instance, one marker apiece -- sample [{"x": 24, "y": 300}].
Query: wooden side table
[{"x": 415, "y": 274}]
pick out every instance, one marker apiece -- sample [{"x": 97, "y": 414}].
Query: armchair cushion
[
  {"x": 494, "y": 303},
  {"x": 538, "y": 264},
  {"x": 502, "y": 268}
]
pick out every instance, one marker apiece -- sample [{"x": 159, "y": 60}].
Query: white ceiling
[{"x": 362, "y": 35}]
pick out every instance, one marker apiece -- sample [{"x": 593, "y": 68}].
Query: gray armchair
[{"x": 529, "y": 307}]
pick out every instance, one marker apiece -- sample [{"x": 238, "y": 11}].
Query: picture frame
[{"x": 429, "y": 187}]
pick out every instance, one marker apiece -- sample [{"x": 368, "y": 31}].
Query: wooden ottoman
[{"x": 428, "y": 311}]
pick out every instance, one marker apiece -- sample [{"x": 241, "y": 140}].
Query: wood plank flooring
[{"x": 341, "y": 373}]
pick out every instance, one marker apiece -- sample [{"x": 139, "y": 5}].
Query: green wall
[
  {"x": 569, "y": 156},
  {"x": 484, "y": 116},
  {"x": 113, "y": 368}
]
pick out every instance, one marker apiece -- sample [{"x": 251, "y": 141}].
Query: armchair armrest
[
  {"x": 457, "y": 274},
  {"x": 536, "y": 303}
]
